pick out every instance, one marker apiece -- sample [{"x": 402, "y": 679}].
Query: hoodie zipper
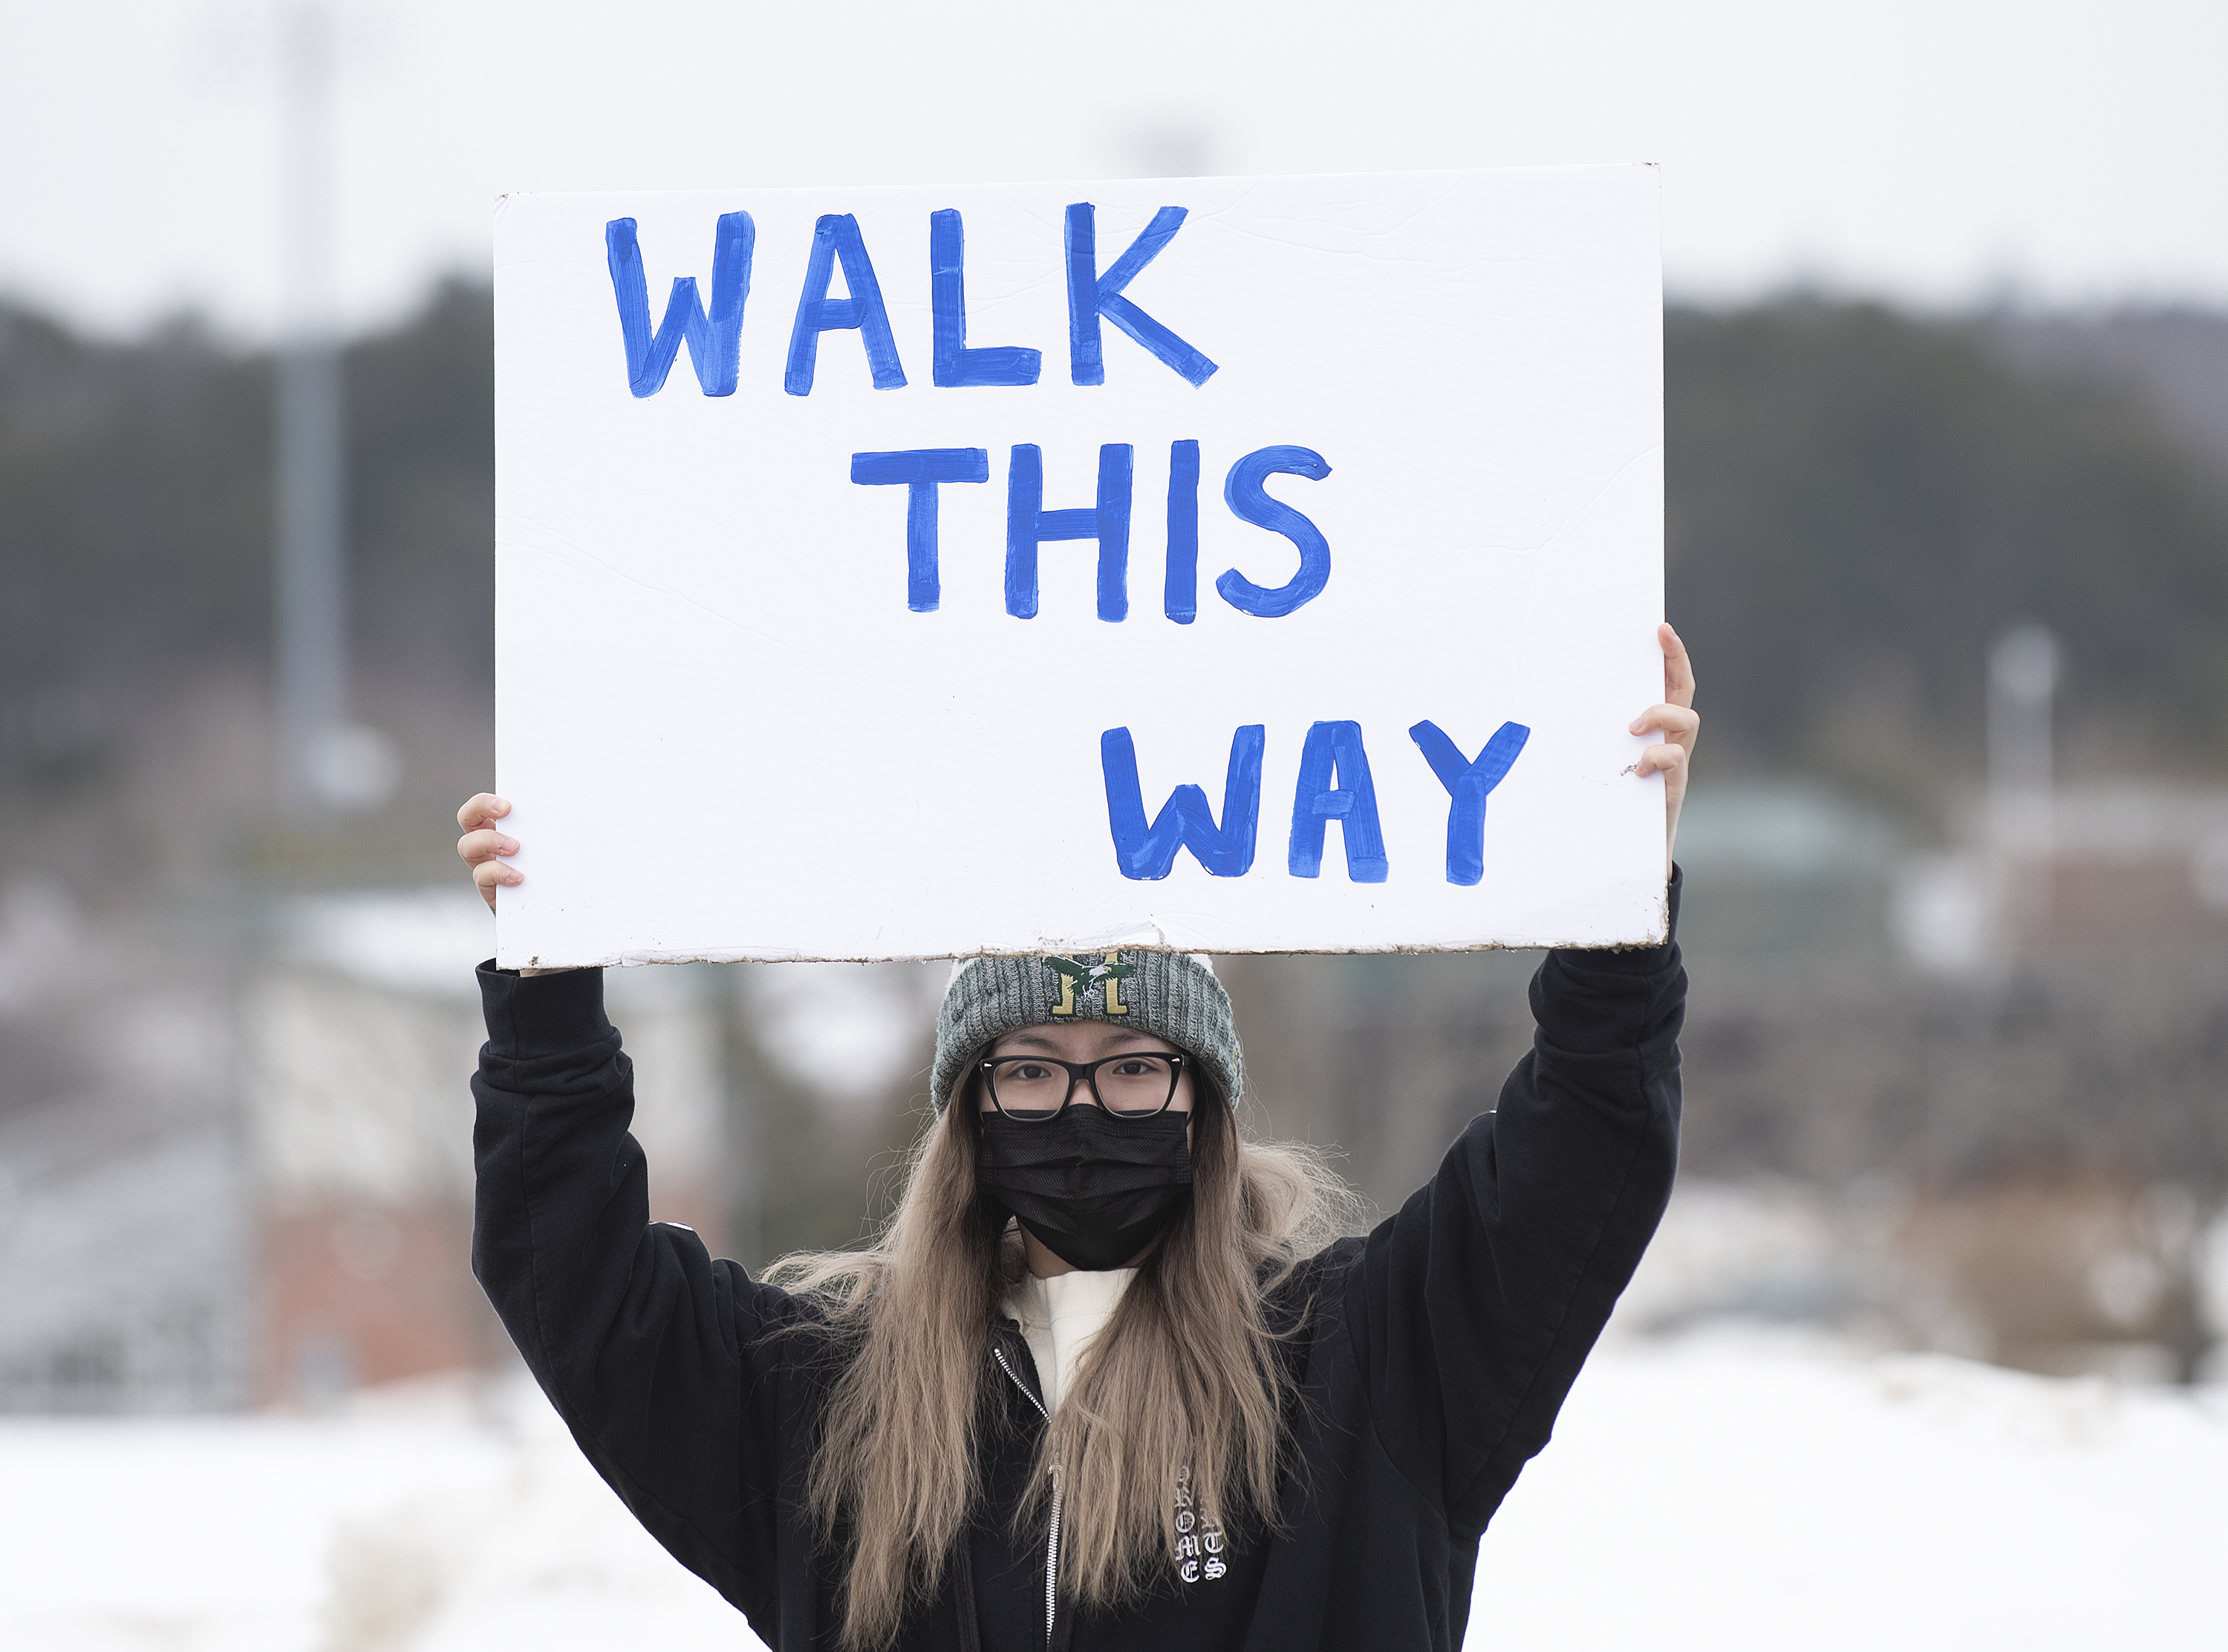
[{"x": 1052, "y": 1543}]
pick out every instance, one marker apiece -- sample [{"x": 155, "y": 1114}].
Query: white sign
[{"x": 1239, "y": 564}]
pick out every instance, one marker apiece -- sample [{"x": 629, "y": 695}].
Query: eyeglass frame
[{"x": 1080, "y": 1073}]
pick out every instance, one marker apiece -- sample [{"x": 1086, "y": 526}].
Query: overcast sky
[{"x": 1936, "y": 150}]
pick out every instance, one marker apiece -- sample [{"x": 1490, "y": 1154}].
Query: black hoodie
[{"x": 1432, "y": 1356}]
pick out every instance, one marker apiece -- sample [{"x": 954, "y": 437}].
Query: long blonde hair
[{"x": 1184, "y": 1378}]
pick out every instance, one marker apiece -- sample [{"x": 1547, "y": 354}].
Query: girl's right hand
[{"x": 484, "y": 846}]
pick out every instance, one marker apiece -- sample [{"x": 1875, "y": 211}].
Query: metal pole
[
  {"x": 2023, "y": 669},
  {"x": 312, "y": 595}
]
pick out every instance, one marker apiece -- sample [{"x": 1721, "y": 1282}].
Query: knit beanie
[{"x": 1172, "y": 995}]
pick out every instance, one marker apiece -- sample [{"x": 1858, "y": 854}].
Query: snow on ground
[
  {"x": 1731, "y": 1489},
  {"x": 1750, "y": 1489},
  {"x": 422, "y": 1522}
]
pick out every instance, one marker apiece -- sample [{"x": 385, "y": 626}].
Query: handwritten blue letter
[
  {"x": 1185, "y": 821},
  {"x": 1248, "y": 499},
  {"x": 955, "y": 364},
  {"x": 1468, "y": 784},
  {"x": 1028, "y": 524},
  {"x": 1091, "y": 295},
  {"x": 920, "y": 469},
  {"x": 715, "y": 340},
  {"x": 836, "y": 236},
  {"x": 1334, "y": 785},
  {"x": 1180, "y": 595}
]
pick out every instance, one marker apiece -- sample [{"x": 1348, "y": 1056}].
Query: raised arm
[
  {"x": 1474, "y": 1307},
  {"x": 653, "y": 1354}
]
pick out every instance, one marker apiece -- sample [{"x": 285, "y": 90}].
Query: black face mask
[{"x": 1093, "y": 1190}]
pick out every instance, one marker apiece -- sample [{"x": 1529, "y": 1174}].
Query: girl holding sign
[{"x": 1107, "y": 1379}]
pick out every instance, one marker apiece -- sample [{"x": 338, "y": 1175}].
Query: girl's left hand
[{"x": 1675, "y": 717}]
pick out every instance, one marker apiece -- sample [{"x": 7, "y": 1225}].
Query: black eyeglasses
[{"x": 1035, "y": 1089}]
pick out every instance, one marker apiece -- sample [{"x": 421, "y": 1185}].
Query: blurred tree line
[
  {"x": 1859, "y": 501},
  {"x": 136, "y": 554},
  {"x": 135, "y": 490}
]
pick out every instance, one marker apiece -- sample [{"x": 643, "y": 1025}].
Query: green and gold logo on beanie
[{"x": 1077, "y": 979}]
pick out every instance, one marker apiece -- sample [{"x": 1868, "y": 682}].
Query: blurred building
[
  {"x": 2011, "y": 1041},
  {"x": 253, "y": 1185},
  {"x": 2092, "y": 869},
  {"x": 126, "y": 1242}
]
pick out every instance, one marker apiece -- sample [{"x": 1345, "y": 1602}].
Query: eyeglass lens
[{"x": 1032, "y": 1090}]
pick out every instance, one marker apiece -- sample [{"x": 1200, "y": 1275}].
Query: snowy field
[{"x": 1727, "y": 1489}]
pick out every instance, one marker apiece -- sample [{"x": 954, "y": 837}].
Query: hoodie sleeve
[
  {"x": 1473, "y": 1308},
  {"x": 648, "y": 1348}
]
